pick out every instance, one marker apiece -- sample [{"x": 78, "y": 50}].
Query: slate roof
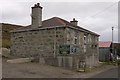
[
  {"x": 104, "y": 44},
  {"x": 54, "y": 22}
]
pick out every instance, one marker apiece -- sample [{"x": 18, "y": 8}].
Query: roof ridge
[
  {"x": 63, "y": 22},
  {"x": 42, "y": 21},
  {"x": 60, "y": 21},
  {"x": 48, "y": 19}
]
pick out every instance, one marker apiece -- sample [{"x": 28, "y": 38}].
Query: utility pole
[
  {"x": 113, "y": 43},
  {"x": 112, "y": 38}
]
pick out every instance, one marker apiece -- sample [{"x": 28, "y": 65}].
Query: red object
[
  {"x": 35, "y": 5},
  {"x": 104, "y": 44},
  {"x": 110, "y": 56},
  {"x": 38, "y": 4},
  {"x": 73, "y": 19}
]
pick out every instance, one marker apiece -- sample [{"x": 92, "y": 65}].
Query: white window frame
[
  {"x": 85, "y": 48},
  {"x": 85, "y": 40},
  {"x": 75, "y": 38}
]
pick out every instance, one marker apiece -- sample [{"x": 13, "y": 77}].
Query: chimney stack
[
  {"x": 74, "y": 22},
  {"x": 36, "y": 16}
]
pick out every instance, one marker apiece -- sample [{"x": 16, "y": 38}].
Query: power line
[
  {"x": 104, "y": 10},
  {"x": 98, "y": 12}
]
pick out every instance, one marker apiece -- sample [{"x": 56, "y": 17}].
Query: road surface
[{"x": 111, "y": 73}]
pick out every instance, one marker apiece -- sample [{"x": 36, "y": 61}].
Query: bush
[
  {"x": 101, "y": 60},
  {"x": 117, "y": 62}
]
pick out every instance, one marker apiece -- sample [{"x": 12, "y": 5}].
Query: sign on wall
[
  {"x": 64, "y": 49},
  {"x": 73, "y": 49}
]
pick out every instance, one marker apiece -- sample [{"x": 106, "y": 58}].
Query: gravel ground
[{"x": 36, "y": 70}]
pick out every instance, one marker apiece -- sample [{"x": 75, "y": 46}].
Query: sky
[{"x": 96, "y": 15}]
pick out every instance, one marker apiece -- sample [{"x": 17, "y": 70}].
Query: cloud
[{"x": 90, "y": 15}]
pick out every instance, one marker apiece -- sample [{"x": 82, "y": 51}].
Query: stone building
[{"x": 55, "y": 38}]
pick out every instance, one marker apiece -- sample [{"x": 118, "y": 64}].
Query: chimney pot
[
  {"x": 74, "y": 22},
  {"x": 73, "y": 19},
  {"x": 38, "y": 4},
  {"x": 35, "y": 5}
]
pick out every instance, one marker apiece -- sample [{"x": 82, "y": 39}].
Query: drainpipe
[{"x": 55, "y": 43}]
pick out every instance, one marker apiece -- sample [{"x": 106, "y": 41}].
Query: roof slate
[{"x": 53, "y": 22}]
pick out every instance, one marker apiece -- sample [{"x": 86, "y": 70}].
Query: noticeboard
[
  {"x": 64, "y": 48},
  {"x": 73, "y": 49}
]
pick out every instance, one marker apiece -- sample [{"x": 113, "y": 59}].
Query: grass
[
  {"x": 111, "y": 62},
  {"x": 6, "y": 34},
  {"x": 117, "y": 62},
  {"x": 102, "y": 61},
  {"x": 6, "y": 43}
]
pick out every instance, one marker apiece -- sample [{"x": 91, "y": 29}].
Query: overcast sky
[{"x": 98, "y": 17}]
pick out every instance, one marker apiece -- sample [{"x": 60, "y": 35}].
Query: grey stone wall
[
  {"x": 71, "y": 62},
  {"x": 91, "y": 56},
  {"x": 42, "y": 43},
  {"x": 80, "y": 41},
  {"x": 35, "y": 43}
]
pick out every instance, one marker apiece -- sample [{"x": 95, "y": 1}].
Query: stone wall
[
  {"x": 70, "y": 40},
  {"x": 72, "y": 62},
  {"x": 45, "y": 42},
  {"x": 35, "y": 43},
  {"x": 91, "y": 55}
]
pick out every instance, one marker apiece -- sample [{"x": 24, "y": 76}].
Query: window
[
  {"x": 56, "y": 35},
  {"x": 75, "y": 37},
  {"x": 96, "y": 39},
  {"x": 95, "y": 46},
  {"x": 68, "y": 35},
  {"x": 85, "y": 39},
  {"x": 89, "y": 40},
  {"x": 75, "y": 41},
  {"x": 75, "y": 34},
  {"x": 84, "y": 48}
]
